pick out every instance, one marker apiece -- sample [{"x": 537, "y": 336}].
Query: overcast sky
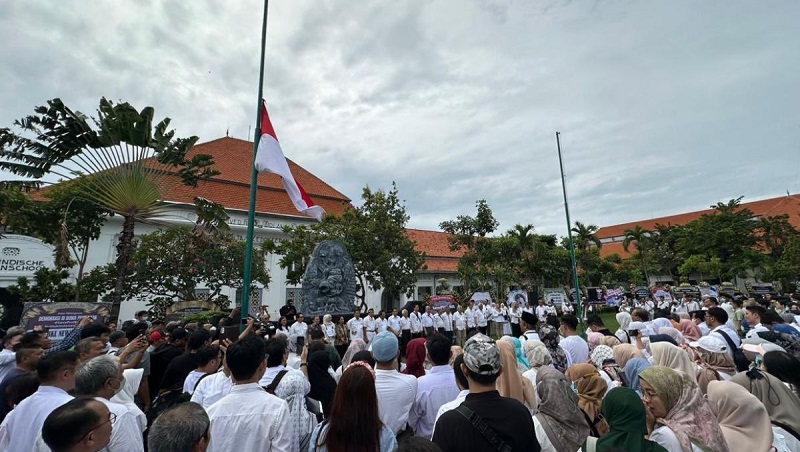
[{"x": 663, "y": 107}]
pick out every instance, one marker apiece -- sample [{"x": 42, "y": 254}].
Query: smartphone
[
  {"x": 633, "y": 333},
  {"x": 301, "y": 341}
]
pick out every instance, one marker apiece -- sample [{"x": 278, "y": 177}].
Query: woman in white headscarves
[{"x": 624, "y": 320}]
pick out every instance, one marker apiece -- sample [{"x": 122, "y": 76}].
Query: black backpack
[
  {"x": 173, "y": 396},
  {"x": 741, "y": 361}
]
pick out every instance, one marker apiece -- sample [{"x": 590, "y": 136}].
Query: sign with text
[
  {"x": 442, "y": 302},
  {"x": 641, "y": 292},
  {"x": 61, "y": 318},
  {"x": 762, "y": 289},
  {"x": 186, "y": 308},
  {"x": 23, "y": 256},
  {"x": 662, "y": 292},
  {"x": 554, "y": 295}
]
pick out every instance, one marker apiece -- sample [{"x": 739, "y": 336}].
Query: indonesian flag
[{"x": 270, "y": 159}]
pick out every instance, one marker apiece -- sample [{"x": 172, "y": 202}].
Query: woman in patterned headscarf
[
  {"x": 550, "y": 340},
  {"x": 585, "y": 379},
  {"x": 668, "y": 355},
  {"x": 537, "y": 355},
  {"x": 560, "y": 424},
  {"x": 681, "y": 417},
  {"x": 689, "y": 330},
  {"x": 603, "y": 358},
  {"x": 594, "y": 339}
]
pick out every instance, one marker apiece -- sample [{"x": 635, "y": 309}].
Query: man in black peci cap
[{"x": 527, "y": 323}]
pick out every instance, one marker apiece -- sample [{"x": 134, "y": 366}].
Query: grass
[{"x": 610, "y": 321}]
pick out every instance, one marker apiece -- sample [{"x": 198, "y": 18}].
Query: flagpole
[
  {"x": 569, "y": 234},
  {"x": 251, "y": 212}
]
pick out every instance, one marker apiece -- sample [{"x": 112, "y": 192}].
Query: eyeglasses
[{"x": 111, "y": 418}]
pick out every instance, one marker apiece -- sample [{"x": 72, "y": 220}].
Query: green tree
[
  {"x": 585, "y": 236},
  {"x": 638, "y": 236},
  {"x": 469, "y": 234},
  {"x": 168, "y": 265},
  {"x": 120, "y": 157},
  {"x": 374, "y": 235}
]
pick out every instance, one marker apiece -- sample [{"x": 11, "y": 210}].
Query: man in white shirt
[
  {"x": 356, "y": 327},
  {"x": 370, "y": 325},
  {"x": 480, "y": 318},
  {"x": 427, "y": 322},
  {"x": 299, "y": 329},
  {"x": 7, "y": 358},
  {"x": 541, "y": 311},
  {"x": 249, "y": 418},
  {"x": 101, "y": 378},
  {"x": 574, "y": 345},
  {"x": 513, "y": 317},
  {"x": 460, "y": 321},
  {"x": 663, "y": 303},
  {"x": 528, "y": 323},
  {"x": 277, "y": 358},
  {"x": 435, "y": 388},
  {"x": 212, "y": 388},
  {"x": 59, "y": 432},
  {"x": 699, "y": 319},
  {"x": 394, "y": 323},
  {"x": 753, "y": 315},
  {"x": 381, "y": 323},
  {"x": 396, "y": 392},
  {"x": 22, "y": 426},
  {"x": 469, "y": 316},
  {"x": 416, "y": 323},
  {"x": 716, "y": 319},
  {"x": 463, "y": 387},
  {"x": 447, "y": 319},
  {"x": 690, "y": 304},
  {"x": 208, "y": 361}
]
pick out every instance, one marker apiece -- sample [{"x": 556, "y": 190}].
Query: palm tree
[
  {"x": 119, "y": 159},
  {"x": 638, "y": 235},
  {"x": 585, "y": 236}
]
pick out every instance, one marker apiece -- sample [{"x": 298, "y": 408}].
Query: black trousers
[
  {"x": 515, "y": 330},
  {"x": 405, "y": 338}
]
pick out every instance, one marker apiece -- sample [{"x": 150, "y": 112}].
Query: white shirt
[
  {"x": 447, "y": 318},
  {"x": 480, "y": 318},
  {"x": 541, "y": 436},
  {"x": 704, "y": 328},
  {"x": 125, "y": 434},
  {"x": 515, "y": 314},
  {"x": 381, "y": 325},
  {"x": 7, "y": 362},
  {"x": 576, "y": 347},
  {"x": 191, "y": 380},
  {"x": 299, "y": 329},
  {"x": 356, "y": 327},
  {"x": 20, "y": 428},
  {"x": 396, "y": 395},
  {"x": 329, "y": 331},
  {"x": 529, "y": 335},
  {"x": 394, "y": 324},
  {"x": 438, "y": 321},
  {"x": 434, "y": 389},
  {"x": 272, "y": 372},
  {"x": 753, "y": 332},
  {"x": 451, "y": 405},
  {"x": 405, "y": 324},
  {"x": 416, "y": 322},
  {"x": 541, "y": 313},
  {"x": 460, "y": 321},
  {"x": 730, "y": 333},
  {"x": 469, "y": 316},
  {"x": 250, "y": 419},
  {"x": 427, "y": 320},
  {"x": 369, "y": 323},
  {"x": 211, "y": 389},
  {"x": 665, "y": 437}
]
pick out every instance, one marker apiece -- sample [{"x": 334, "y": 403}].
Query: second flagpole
[{"x": 251, "y": 211}]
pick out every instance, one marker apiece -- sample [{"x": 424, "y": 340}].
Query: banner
[
  {"x": 615, "y": 296},
  {"x": 554, "y": 295},
  {"x": 762, "y": 289},
  {"x": 186, "y": 308},
  {"x": 442, "y": 302},
  {"x": 641, "y": 292},
  {"x": 662, "y": 292},
  {"x": 481, "y": 297},
  {"x": 728, "y": 288},
  {"x": 520, "y": 296},
  {"x": 686, "y": 289},
  {"x": 61, "y": 318}
]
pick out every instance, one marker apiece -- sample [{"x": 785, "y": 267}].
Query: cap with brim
[
  {"x": 155, "y": 336},
  {"x": 481, "y": 355},
  {"x": 761, "y": 349},
  {"x": 710, "y": 343}
]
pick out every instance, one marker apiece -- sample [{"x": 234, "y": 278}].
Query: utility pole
[{"x": 569, "y": 235}]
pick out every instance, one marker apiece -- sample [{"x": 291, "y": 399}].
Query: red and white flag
[{"x": 270, "y": 159}]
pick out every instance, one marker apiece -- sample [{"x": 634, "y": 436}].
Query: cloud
[{"x": 662, "y": 108}]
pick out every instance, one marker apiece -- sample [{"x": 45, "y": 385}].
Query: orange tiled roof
[
  {"x": 784, "y": 205},
  {"x": 439, "y": 258},
  {"x": 439, "y": 265}
]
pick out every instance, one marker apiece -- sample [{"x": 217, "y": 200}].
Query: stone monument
[{"x": 329, "y": 284}]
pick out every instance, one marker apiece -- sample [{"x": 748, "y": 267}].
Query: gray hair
[
  {"x": 92, "y": 376},
  {"x": 84, "y": 346},
  {"x": 179, "y": 428}
]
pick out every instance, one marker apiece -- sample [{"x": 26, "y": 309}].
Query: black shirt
[
  {"x": 159, "y": 361},
  {"x": 178, "y": 369},
  {"x": 508, "y": 417}
]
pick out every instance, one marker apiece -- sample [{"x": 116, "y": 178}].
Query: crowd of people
[{"x": 715, "y": 374}]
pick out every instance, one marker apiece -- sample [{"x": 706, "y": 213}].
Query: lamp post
[{"x": 569, "y": 235}]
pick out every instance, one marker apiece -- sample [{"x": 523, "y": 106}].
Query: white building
[{"x": 231, "y": 189}]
